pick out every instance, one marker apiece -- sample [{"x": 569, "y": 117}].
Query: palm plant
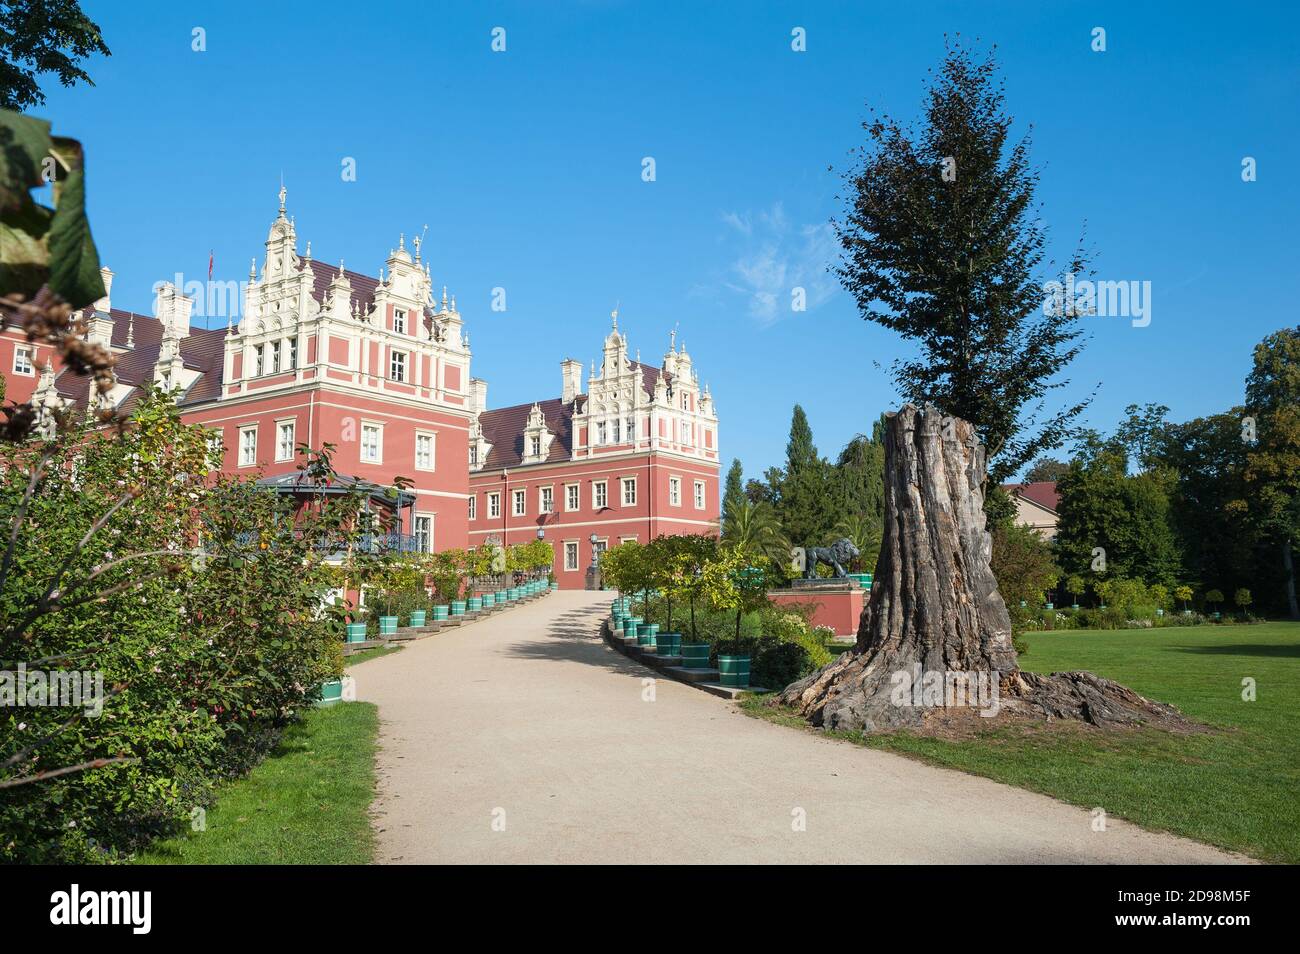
[{"x": 753, "y": 530}]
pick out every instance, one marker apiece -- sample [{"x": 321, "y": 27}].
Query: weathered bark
[
  {"x": 1288, "y": 565},
  {"x": 935, "y": 609}
]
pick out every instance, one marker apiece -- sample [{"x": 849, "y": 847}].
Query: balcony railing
[{"x": 365, "y": 543}]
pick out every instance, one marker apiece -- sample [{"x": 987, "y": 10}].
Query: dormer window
[
  {"x": 535, "y": 447},
  {"x": 399, "y": 321}
]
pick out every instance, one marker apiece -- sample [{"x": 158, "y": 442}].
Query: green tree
[
  {"x": 43, "y": 36},
  {"x": 734, "y": 492},
  {"x": 1023, "y": 565},
  {"x": 942, "y": 243},
  {"x": 800, "y": 451},
  {"x": 1047, "y": 469},
  {"x": 1272, "y": 472},
  {"x": 1183, "y": 593}
]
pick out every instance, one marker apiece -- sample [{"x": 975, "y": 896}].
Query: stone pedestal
[{"x": 838, "y": 603}]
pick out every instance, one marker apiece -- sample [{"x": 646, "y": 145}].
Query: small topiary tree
[
  {"x": 1242, "y": 599},
  {"x": 1183, "y": 594},
  {"x": 1214, "y": 597}
]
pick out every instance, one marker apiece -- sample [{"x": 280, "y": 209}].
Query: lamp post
[{"x": 541, "y": 535}]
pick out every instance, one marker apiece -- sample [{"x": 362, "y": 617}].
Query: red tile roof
[
  {"x": 503, "y": 427},
  {"x": 1041, "y": 492},
  {"x": 202, "y": 350}
]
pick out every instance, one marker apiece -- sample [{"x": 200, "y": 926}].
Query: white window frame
[
  {"x": 571, "y": 549},
  {"x": 535, "y": 445},
  {"x": 29, "y": 354},
  {"x": 600, "y": 432},
  {"x": 291, "y": 423},
  {"x": 243, "y": 445},
  {"x": 544, "y": 505},
  {"x": 275, "y": 358},
  {"x": 259, "y": 355},
  {"x": 572, "y": 497},
  {"x": 399, "y": 321},
  {"x": 473, "y": 506},
  {"x": 675, "y": 491},
  {"x": 494, "y": 505},
  {"x": 415, "y": 532},
  {"x": 624, "y": 483},
  {"x": 599, "y": 494},
  {"x": 519, "y": 503},
  {"x": 291, "y": 354},
  {"x": 432, "y": 438},
  {"x": 397, "y": 365},
  {"x": 379, "y": 442},
  {"x": 701, "y": 501}
]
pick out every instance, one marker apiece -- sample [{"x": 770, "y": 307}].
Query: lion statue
[{"x": 840, "y": 552}]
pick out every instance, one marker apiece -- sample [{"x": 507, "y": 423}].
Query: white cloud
[{"x": 773, "y": 258}]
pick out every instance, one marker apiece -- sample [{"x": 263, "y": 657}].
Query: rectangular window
[
  {"x": 248, "y": 446},
  {"x": 399, "y": 321},
  {"x": 629, "y": 491},
  {"x": 600, "y": 432},
  {"x": 598, "y": 548},
  {"x": 424, "y": 451},
  {"x": 699, "y": 495},
  {"x": 521, "y": 503},
  {"x": 397, "y": 366},
  {"x": 618, "y": 434},
  {"x": 494, "y": 505},
  {"x": 372, "y": 443},
  {"x": 599, "y": 495},
  {"x": 284, "y": 440},
  {"x": 23, "y": 361},
  {"x": 473, "y": 455},
  {"x": 675, "y": 491},
  {"x": 473, "y": 508},
  {"x": 572, "y": 494},
  {"x": 257, "y": 360},
  {"x": 631, "y": 429},
  {"x": 275, "y": 357},
  {"x": 535, "y": 447},
  {"x": 423, "y": 532},
  {"x": 571, "y": 554},
  {"x": 547, "y": 500},
  {"x": 291, "y": 354}
]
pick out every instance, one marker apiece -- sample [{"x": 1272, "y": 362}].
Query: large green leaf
[
  {"x": 39, "y": 247},
  {"x": 24, "y": 144},
  {"x": 74, "y": 263}
]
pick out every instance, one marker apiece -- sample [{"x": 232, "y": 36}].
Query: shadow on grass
[{"x": 1280, "y": 651}]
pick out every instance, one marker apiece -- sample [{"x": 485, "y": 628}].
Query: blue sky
[{"x": 526, "y": 166}]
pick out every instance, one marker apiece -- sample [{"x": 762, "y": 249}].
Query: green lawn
[
  {"x": 1236, "y": 787},
  {"x": 307, "y": 803}
]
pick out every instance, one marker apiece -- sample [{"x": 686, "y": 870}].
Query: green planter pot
[
  {"x": 356, "y": 632},
  {"x": 1049, "y": 606},
  {"x": 503, "y": 596},
  {"x": 734, "y": 671},
  {"x": 645, "y": 633},
  {"x": 489, "y": 600},
  {"x": 387, "y": 625},
  {"x": 695, "y": 655},
  {"x": 417, "y": 617},
  {"x": 554, "y": 586},
  {"x": 668, "y": 644},
  {"x": 864, "y": 579},
  {"x": 457, "y": 607},
  {"x": 441, "y": 612},
  {"x": 475, "y": 604},
  {"x": 331, "y": 691}
]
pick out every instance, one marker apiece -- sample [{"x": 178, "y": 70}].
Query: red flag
[{"x": 209, "y": 264}]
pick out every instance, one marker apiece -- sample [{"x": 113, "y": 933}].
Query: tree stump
[{"x": 935, "y": 637}]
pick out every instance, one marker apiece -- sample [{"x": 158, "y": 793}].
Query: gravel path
[{"x": 523, "y": 738}]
